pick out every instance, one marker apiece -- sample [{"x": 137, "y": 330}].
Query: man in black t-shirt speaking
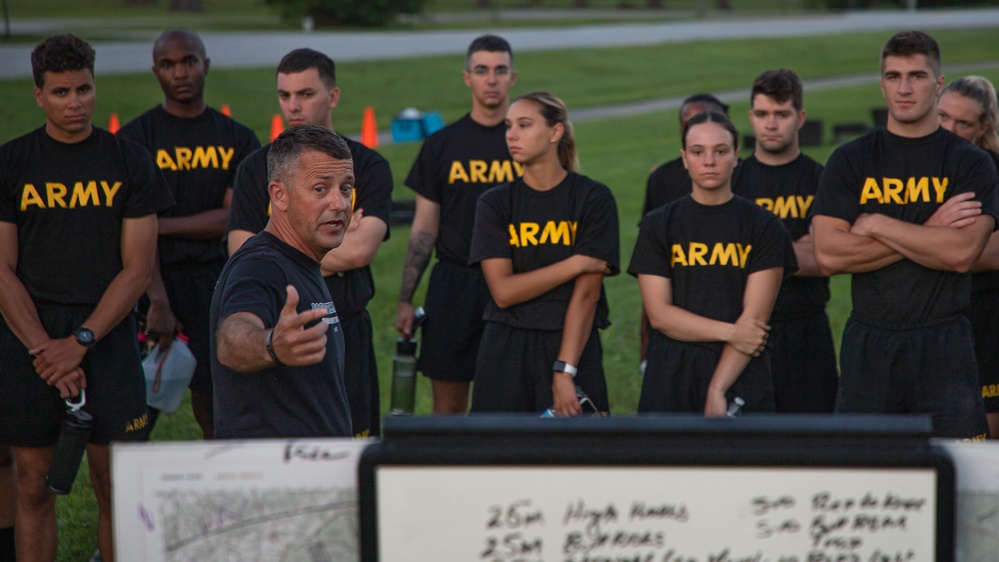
[
  {"x": 907, "y": 210},
  {"x": 783, "y": 180},
  {"x": 197, "y": 149},
  {"x": 77, "y": 239},
  {"x": 307, "y": 93},
  {"x": 277, "y": 358}
]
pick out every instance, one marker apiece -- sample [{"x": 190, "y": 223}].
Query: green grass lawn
[{"x": 617, "y": 152}]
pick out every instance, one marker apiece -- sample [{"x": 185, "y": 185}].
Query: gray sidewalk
[{"x": 264, "y": 49}]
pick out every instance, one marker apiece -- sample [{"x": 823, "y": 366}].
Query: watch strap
[{"x": 563, "y": 367}]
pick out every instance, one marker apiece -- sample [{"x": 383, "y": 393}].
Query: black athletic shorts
[
  {"x": 189, "y": 288},
  {"x": 514, "y": 371},
  {"x": 360, "y": 374},
  {"x": 984, "y": 316},
  {"x": 929, "y": 369},
  {"x": 803, "y": 363},
  {"x": 31, "y": 410},
  {"x": 678, "y": 374},
  {"x": 456, "y": 300}
]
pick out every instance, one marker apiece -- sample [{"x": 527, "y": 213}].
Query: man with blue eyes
[
  {"x": 198, "y": 149},
  {"x": 455, "y": 166},
  {"x": 907, "y": 209},
  {"x": 277, "y": 358}
]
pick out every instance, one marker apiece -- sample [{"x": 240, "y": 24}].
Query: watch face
[{"x": 84, "y": 336}]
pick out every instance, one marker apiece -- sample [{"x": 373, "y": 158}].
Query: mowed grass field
[{"x": 618, "y": 152}]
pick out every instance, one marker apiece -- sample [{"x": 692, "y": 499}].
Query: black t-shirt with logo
[
  {"x": 251, "y": 208},
  {"x": 198, "y": 156},
  {"x": 68, "y": 202},
  {"x": 709, "y": 251},
  {"x": 986, "y": 281},
  {"x": 666, "y": 184},
  {"x": 535, "y": 229},
  {"x": 788, "y": 192},
  {"x": 307, "y": 401},
  {"x": 906, "y": 179},
  {"x": 455, "y": 166}
]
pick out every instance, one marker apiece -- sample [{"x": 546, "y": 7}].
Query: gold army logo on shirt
[
  {"x": 553, "y": 233},
  {"x": 696, "y": 254},
  {"x": 902, "y": 192},
  {"x": 185, "y": 158},
  {"x": 792, "y": 206},
  {"x": 480, "y": 171},
  {"x": 82, "y": 194}
]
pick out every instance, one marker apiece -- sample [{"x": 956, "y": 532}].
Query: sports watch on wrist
[
  {"x": 563, "y": 367},
  {"x": 84, "y": 337}
]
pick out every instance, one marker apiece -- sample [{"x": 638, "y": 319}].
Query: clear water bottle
[
  {"x": 70, "y": 446},
  {"x": 404, "y": 370}
]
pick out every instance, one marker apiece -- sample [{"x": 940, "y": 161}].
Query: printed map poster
[{"x": 234, "y": 501}]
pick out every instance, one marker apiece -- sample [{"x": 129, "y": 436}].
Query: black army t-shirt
[
  {"x": 279, "y": 401},
  {"x": 666, "y": 184},
  {"x": 68, "y": 202},
  {"x": 986, "y": 281},
  {"x": 455, "y": 166},
  {"x": 787, "y": 191},
  {"x": 251, "y": 208},
  {"x": 198, "y": 156},
  {"x": 906, "y": 179},
  {"x": 709, "y": 251},
  {"x": 535, "y": 229}
]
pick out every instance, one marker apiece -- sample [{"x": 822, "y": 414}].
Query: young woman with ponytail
[{"x": 545, "y": 243}]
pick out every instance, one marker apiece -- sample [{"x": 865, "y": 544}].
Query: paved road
[{"x": 263, "y": 49}]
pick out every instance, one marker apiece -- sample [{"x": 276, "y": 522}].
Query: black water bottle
[
  {"x": 74, "y": 434},
  {"x": 404, "y": 371}
]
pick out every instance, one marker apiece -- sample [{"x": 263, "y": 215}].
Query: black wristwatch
[{"x": 84, "y": 337}]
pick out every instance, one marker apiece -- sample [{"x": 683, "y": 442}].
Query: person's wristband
[
  {"x": 270, "y": 348},
  {"x": 563, "y": 367}
]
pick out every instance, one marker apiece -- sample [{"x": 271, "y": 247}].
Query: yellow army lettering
[
  {"x": 792, "y": 206},
  {"x": 85, "y": 194},
  {"x": 201, "y": 157},
  {"x": 137, "y": 423},
  {"x": 480, "y": 171},
  {"x": 898, "y": 192},
  {"x": 526, "y": 233},
  {"x": 730, "y": 253},
  {"x": 990, "y": 390}
]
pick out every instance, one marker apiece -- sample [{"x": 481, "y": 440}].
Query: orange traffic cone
[
  {"x": 277, "y": 126},
  {"x": 369, "y": 129},
  {"x": 113, "y": 124},
  {"x": 225, "y": 110}
]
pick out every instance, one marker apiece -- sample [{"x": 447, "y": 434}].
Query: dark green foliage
[{"x": 363, "y": 13}]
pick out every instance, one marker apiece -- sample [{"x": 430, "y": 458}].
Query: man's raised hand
[{"x": 296, "y": 343}]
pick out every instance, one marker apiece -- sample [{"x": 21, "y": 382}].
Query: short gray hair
[{"x": 291, "y": 144}]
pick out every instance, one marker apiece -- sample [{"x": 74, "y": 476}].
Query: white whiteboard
[
  {"x": 233, "y": 501},
  {"x": 655, "y": 514}
]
